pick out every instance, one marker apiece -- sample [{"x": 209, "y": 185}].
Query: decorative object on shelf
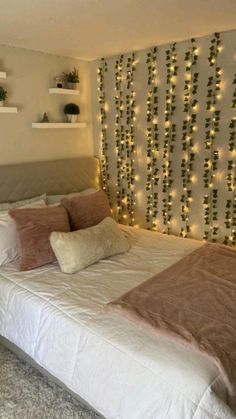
[
  {"x": 3, "y": 75},
  {"x": 58, "y": 82},
  {"x": 72, "y": 111},
  {"x": 45, "y": 118},
  {"x": 72, "y": 79},
  {"x": 3, "y": 96}
]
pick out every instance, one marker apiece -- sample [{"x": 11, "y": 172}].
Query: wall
[
  {"x": 145, "y": 172},
  {"x": 30, "y": 74}
]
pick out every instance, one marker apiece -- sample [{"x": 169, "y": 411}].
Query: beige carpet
[{"x": 26, "y": 394}]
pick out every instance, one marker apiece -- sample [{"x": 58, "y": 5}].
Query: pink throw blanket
[{"x": 194, "y": 303}]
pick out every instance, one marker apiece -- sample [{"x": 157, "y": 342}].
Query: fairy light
[
  {"x": 188, "y": 129},
  {"x": 105, "y": 172},
  {"x": 230, "y": 213},
  {"x": 119, "y": 136},
  {"x": 130, "y": 136},
  {"x": 160, "y": 177},
  {"x": 170, "y": 136},
  {"x": 212, "y": 153},
  {"x": 152, "y": 179}
]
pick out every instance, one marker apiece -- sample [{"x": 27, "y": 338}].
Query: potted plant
[
  {"x": 72, "y": 111},
  {"x": 3, "y": 96},
  {"x": 72, "y": 79}
]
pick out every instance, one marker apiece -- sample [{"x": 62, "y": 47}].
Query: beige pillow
[
  {"x": 78, "y": 249},
  {"x": 6, "y": 206},
  {"x": 56, "y": 199}
]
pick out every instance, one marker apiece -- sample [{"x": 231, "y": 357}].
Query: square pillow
[
  {"x": 8, "y": 241},
  {"x": 6, "y": 206},
  {"x": 56, "y": 199},
  {"x": 78, "y": 249},
  {"x": 34, "y": 227},
  {"x": 88, "y": 210}
]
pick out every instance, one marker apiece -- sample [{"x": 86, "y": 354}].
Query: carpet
[{"x": 26, "y": 394}]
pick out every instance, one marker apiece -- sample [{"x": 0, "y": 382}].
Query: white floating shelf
[
  {"x": 69, "y": 125},
  {"x": 58, "y": 91},
  {"x": 3, "y": 75},
  {"x": 7, "y": 109}
]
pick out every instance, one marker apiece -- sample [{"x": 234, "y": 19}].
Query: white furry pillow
[{"x": 78, "y": 249}]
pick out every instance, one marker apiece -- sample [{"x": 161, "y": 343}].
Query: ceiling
[{"x": 89, "y": 29}]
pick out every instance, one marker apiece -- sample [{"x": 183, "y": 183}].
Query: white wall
[
  {"x": 30, "y": 74},
  {"x": 227, "y": 61}
]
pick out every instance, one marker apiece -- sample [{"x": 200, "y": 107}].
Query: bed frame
[
  {"x": 55, "y": 177},
  {"x": 22, "y": 181}
]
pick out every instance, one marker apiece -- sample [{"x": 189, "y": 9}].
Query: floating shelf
[
  {"x": 3, "y": 75},
  {"x": 58, "y": 91},
  {"x": 45, "y": 125},
  {"x": 7, "y": 109}
]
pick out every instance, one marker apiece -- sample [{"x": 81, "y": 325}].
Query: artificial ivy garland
[
  {"x": 105, "y": 174},
  {"x": 212, "y": 123},
  {"x": 230, "y": 214},
  {"x": 120, "y": 137},
  {"x": 129, "y": 137},
  {"x": 170, "y": 136},
  {"x": 152, "y": 140},
  {"x": 188, "y": 130}
]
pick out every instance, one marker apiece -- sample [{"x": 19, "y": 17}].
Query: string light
[
  {"x": 230, "y": 213},
  {"x": 160, "y": 182},
  {"x": 105, "y": 173},
  {"x": 170, "y": 136},
  {"x": 188, "y": 129},
  {"x": 152, "y": 140},
  {"x": 119, "y": 136},
  {"x": 212, "y": 153}
]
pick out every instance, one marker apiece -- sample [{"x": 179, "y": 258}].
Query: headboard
[{"x": 20, "y": 181}]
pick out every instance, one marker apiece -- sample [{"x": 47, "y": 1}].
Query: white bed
[{"x": 119, "y": 369}]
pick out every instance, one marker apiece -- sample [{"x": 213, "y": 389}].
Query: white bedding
[{"x": 120, "y": 369}]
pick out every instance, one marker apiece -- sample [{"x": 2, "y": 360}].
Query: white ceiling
[{"x": 89, "y": 29}]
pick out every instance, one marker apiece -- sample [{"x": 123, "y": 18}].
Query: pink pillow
[
  {"x": 33, "y": 227},
  {"x": 88, "y": 210}
]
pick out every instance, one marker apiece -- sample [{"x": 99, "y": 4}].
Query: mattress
[{"x": 123, "y": 371}]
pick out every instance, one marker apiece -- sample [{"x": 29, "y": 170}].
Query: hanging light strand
[
  {"x": 105, "y": 172},
  {"x": 130, "y": 138},
  {"x": 230, "y": 213},
  {"x": 119, "y": 136},
  {"x": 212, "y": 123},
  {"x": 170, "y": 136},
  {"x": 152, "y": 180},
  {"x": 188, "y": 134}
]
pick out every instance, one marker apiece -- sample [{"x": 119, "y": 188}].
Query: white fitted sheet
[{"x": 117, "y": 367}]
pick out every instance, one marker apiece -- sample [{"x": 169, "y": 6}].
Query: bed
[{"x": 123, "y": 371}]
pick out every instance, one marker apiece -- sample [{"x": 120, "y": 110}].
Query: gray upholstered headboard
[{"x": 55, "y": 177}]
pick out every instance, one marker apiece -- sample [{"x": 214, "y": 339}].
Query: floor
[{"x": 27, "y": 394}]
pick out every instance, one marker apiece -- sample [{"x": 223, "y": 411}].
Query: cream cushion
[
  {"x": 5, "y": 206},
  {"x": 56, "y": 199},
  {"x": 78, "y": 249}
]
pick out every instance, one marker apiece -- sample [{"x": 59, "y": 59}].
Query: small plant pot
[
  {"x": 72, "y": 118},
  {"x": 73, "y": 86},
  {"x": 1, "y": 103}
]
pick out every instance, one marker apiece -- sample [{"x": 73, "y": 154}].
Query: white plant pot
[
  {"x": 74, "y": 86},
  {"x": 72, "y": 118},
  {"x": 1, "y": 103}
]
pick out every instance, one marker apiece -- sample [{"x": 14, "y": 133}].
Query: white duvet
[{"x": 120, "y": 369}]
